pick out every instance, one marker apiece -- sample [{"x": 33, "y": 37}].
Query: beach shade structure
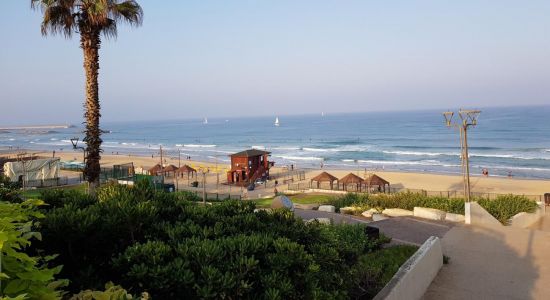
[
  {"x": 324, "y": 177},
  {"x": 155, "y": 171},
  {"x": 185, "y": 169},
  {"x": 170, "y": 169},
  {"x": 353, "y": 180},
  {"x": 378, "y": 182}
]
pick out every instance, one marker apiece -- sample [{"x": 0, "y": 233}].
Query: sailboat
[
  {"x": 322, "y": 114},
  {"x": 205, "y": 121},
  {"x": 277, "y": 121}
]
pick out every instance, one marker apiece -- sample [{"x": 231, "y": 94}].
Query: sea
[{"x": 506, "y": 141}]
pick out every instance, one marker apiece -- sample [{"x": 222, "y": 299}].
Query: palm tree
[{"x": 90, "y": 19}]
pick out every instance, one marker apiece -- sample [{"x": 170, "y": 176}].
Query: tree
[{"x": 90, "y": 19}]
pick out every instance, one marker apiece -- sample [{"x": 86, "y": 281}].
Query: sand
[{"x": 425, "y": 181}]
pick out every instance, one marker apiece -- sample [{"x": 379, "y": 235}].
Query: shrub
[
  {"x": 9, "y": 191},
  {"x": 111, "y": 292},
  {"x": 374, "y": 270},
  {"x": 24, "y": 276},
  {"x": 506, "y": 206}
]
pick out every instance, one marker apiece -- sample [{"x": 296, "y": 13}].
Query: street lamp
[
  {"x": 74, "y": 141},
  {"x": 468, "y": 118}
]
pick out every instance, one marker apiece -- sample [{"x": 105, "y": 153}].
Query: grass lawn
[
  {"x": 35, "y": 193},
  {"x": 300, "y": 199}
]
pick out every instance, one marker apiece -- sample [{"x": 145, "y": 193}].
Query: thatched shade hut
[
  {"x": 155, "y": 170},
  {"x": 378, "y": 182},
  {"x": 324, "y": 177},
  {"x": 170, "y": 169},
  {"x": 351, "y": 179},
  {"x": 185, "y": 169}
]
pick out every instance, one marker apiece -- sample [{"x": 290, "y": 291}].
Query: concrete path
[
  {"x": 493, "y": 263},
  {"x": 402, "y": 230},
  {"x": 412, "y": 230},
  {"x": 337, "y": 218}
]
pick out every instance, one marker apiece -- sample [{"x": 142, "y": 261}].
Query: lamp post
[
  {"x": 467, "y": 118},
  {"x": 203, "y": 171},
  {"x": 74, "y": 141}
]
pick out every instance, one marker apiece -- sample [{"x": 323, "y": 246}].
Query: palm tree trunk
[{"x": 90, "y": 43}]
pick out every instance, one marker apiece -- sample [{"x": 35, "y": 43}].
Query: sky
[{"x": 247, "y": 58}]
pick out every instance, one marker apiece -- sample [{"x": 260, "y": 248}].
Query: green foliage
[
  {"x": 21, "y": 275},
  {"x": 111, "y": 292},
  {"x": 346, "y": 200},
  {"x": 172, "y": 247},
  {"x": 9, "y": 191},
  {"x": 402, "y": 200},
  {"x": 506, "y": 206},
  {"x": 374, "y": 270}
]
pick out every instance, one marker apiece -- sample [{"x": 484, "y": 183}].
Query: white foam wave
[
  {"x": 414, "y": 163},
  {"x": 418, "y": 153},
  {"x": 289, "y": 157},
  {"x": 258, "y": 147},
  {"x": 511, "y": 156},
  {"x": 198, "y": 146}
]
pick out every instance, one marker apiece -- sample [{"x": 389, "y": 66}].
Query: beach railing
[
  {"x": 303, "y": 186},
  {"x": 47, "y": 182}
]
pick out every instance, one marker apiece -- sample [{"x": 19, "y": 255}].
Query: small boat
[
  {"x": 205, "y": 121},
  {"x": 277, "y": 121}
]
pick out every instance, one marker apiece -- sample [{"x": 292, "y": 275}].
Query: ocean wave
[
  {"x": 198, "y": 146},
  {"x": 258, "y": 147},
  {"x": 416, "y": 163},
  {"x": 289, "y": 157},
  {"x": 415, "y": 153},
  {"x": 500, "y": 167},
  {"x": 317, "y": 149},
  {"x": 511, "y": 156},
  {"x": 287, "y": 148}
]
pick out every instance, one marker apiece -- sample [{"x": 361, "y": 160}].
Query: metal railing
[
  {"x": 47, "y": 182},
  {"x": 303, "y": 186}
]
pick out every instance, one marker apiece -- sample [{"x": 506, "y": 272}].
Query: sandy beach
[{"x": 425, "y": 181}]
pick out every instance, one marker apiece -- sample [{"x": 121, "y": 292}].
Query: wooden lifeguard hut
[{"x": 248, "y": 166}]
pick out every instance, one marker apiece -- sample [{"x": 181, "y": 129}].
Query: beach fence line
[
  {"x": 64, "y": 180},
  {"x": 213, "y": 196},
  {"x": 302, "y": 187}
]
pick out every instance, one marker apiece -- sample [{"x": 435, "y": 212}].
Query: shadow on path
[{"x": 493, "y": 263}]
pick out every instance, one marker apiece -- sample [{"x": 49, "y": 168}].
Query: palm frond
[{"x": 128, "y": 11}]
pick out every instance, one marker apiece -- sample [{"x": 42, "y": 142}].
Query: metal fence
[
  {"x": 47, "y": 182},
  {"x": 215, "y": 196},
  {"x": 301, "y": 187}
]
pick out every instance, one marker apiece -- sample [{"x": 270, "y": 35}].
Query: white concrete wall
[
  {"x": 524, "y": 220},
  {"x": 478, "y": 216},
  {"x": 415, "y": 276}
]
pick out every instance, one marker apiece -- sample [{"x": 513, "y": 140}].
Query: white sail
[
  {"x": 277, "y": 121},
  {"x": 205, "y": 121}
]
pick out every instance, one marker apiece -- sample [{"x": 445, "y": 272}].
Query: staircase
[{"x": 258, "y": 174}]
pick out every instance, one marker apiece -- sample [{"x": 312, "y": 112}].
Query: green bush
[
  {"x": 506, "y": 206},
  {"x": 111, "y": 292},
  {"x": 172, "y": 247},
  {"x": 9, "y": 191},
  {"x": 374, "y": 270},
  {"x": 24, "y": 276},
  {"x": 401, "y": 200}
]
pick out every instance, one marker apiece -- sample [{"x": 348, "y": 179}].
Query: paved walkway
[
  {"x": 494, "y": 263},
  {"x": 412, "y": 230},
  {"x": 403, "y": 230}
]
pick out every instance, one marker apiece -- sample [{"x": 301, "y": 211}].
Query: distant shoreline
[{"x": 54, "y": 126}]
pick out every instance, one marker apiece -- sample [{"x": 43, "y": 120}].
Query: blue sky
[{"x": 241, "y": 58}]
